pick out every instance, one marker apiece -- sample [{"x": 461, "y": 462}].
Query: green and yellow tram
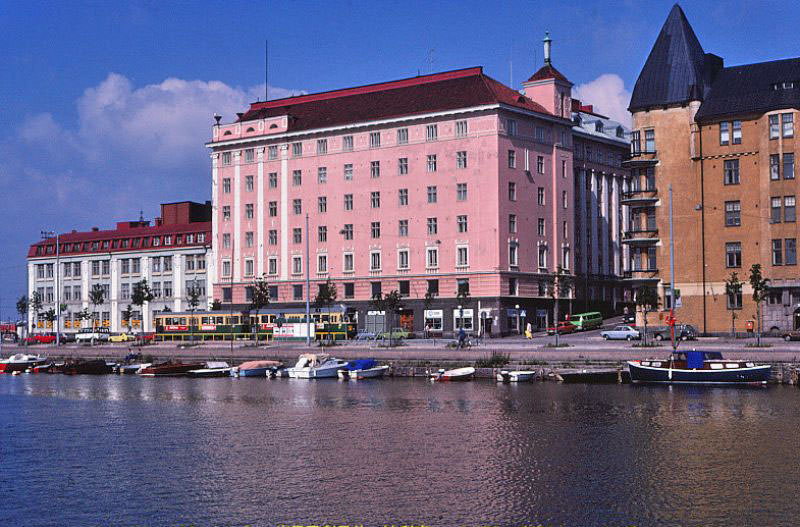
[{"x": 201, "y": 325}]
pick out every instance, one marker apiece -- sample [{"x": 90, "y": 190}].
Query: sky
[{"x": 106, "y": 106}]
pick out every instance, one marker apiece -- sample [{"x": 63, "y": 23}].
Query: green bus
[{"x": 584, "y": 321}]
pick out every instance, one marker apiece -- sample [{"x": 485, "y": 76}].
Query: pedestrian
[
  {"x": 529, "y": 331},
  {"x": 462, "y": 336}
]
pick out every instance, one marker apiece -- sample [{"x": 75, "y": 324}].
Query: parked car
[
  {"x": 397, "y": 333},
  {"x": 144, "y": 338},
  {"x": 629, "y": 319},
  {"x": 88, "y": 335},
  {"x": 40, "y": 338},
  {"x": 67, "y": 338},
  {"x": 621, "y": 333},
  {"x": 791, "y": 335},
  {"x": 122, "y": 337},
  {"x": 563, "y": 327},
  {"x": 682, "y": 332},
  {"x": 365, "y": 335}
]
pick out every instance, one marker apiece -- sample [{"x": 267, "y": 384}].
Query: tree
[
  {"x": 50, "y": 316},
  {"x": 259, "y": 298},
  {"x": 646, "y": 299},
  {"x": 733, "y": 290},
  {"x": 127, "y": 315},
  {"x": 389, "y": 304},
  {"x": 140, "y": 296},
  {"x": 325, "y": 298},
  {"x": 427, "y": 300},
  {"x": 97, "y": 296},
  {"x": 462, "y": 296},
  {"x": 216, "y": 305},
  {"x": 36, "y": 304},
  {"x": 760, "y": 286},
  {"x": 558, "y": 284},
  {"x": 22, "y": 309},
  {"x": 83, "y": 315}
]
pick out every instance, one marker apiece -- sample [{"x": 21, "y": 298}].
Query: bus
[{"x": 586, "y": 321}]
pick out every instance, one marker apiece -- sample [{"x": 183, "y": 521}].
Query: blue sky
[{"x": 106, "y": 105}]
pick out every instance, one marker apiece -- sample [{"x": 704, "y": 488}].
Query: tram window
[
  {"x": 204, "y": 320},
  {"x": 183, "y": 321}
]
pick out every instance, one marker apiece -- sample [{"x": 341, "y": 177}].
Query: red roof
[
  {"x": 547, "y": 72},
  {"x": 445, "y": 91}
]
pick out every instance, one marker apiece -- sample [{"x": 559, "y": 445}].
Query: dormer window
[
  {"x": 620, "y": 131},
  {"x": 598, "y": 126}
]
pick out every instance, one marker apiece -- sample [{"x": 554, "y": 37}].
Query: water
[{"x": 125, "y": 451}]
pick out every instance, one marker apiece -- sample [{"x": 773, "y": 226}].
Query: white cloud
[{"x": 608, "y": 95}]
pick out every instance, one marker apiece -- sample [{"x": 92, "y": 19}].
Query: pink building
[{"x": 423, "y": 185}]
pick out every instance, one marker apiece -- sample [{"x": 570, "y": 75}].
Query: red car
[
  {"x": 145, "y": 337},
  {"x": 39, "y": 339},
  {"x": 563, "y": 327}
]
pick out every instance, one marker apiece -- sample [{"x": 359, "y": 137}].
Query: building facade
[
  {"x": 429, "y": 186},
  {"x": 172, "y": 255},
  {"x": 723, "y": 138}
]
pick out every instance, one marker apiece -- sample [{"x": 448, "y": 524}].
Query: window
[
  {"x": 297, "y": 178},
  {"x": 565, "y": 257},
  {"x": 402, "y": 228},
  {"x": 348, "y": 172},
  {"x": 347, "y": 266},
  {"x": 375, "y": 261},
  {"x": 375, "y": 169},
  {"x": 775, "y": 210},
  {"x": 322, "y": 204},
  {"x": 636, "y": 143},
  {"x": 76, "y": 269},
  {"x": 733, "y": 211},
  {"x": 774, "y": 127},
  {"x": 724, "y": 133},
  {"x": 226, "y": 158},
  {"x": 433, "y": 287},
  {"x": 402, "y": 136},
  {"x": 405, "y": 287},
  {"x": 402, "y": 196},
  {"x": 540, "y": 227},
  {"x": 791, "y": 251},
  {"x": 167, "y": 264},
  {"x": 564, "y": 200},
  {"x": 511, "y": 127},
  {"x": 375, "y": 200},
  {"x": 348, "y": 231},
  {"x": 297, "y": 205},
  {"x": 540, "y": 195},
  {"x": 512, "y": 223},
  {"x": 248, "y": 211},
  {"x": 650, "y": 140},
  {"x": 462, "y": 223},
  {"x": 273, "y": 209},
  {"x": 297, "y": 149},
  {"x": 787, "y": 124},
  {"x": 348, "y": 202},
  {"x": 375, "y": 229},
  {"x": 200, "y": 263},
  {"x": 788, "y": 166},
  {"x": 226, "y": 271},
  {"x": 512, "y": 191},
  {"x": 402, "y": 259},
  {"x": 737, "y": 132},
  {"x": 461, "y": 128},
  {"x": 248, "y": 183},
  {"x": 248, "y": 267},
  {"x": 431, "y": 194},
  {"x": 461, "y": 159},
  {"x": 273, "y": 180},
  {"x": 375, "y": 289},
  {"x": 462, "y": 256},
  {"x": 513, "y": 254},
  {"x": 402, "y": 166},
  {"x": 273, "y": 237},
  {"x": 297, "y": 235},
  {"x": 226, "y": 185},
  {"x": 322, "y": 233},
  {"x": 789, "y": 210},
  {"x": 731, "y": 168},
  {"x": 431, "y": 132},
  {"x": 349, "y": 290},
  {"x": 432, "y": 258},
  {"x": 512, "y": 159},
  {"x": 155, "y": 262},
  {"x": 733, "y": 254},
  {"x": 433, "y": 227},
  {"x": 461, "y": 192},
  {"x": 774, "y": 167},
  {"x": 322, "y": 175},
  {"x": 777, "y": 252},
  {"x": 374, "y": 139},
  {"x": 735, "y": 299},
  {"x": 297, "y": 292},
  {"x": 272, "y": 153},
  {"x": 322, "y": 146},
  {"x": 564, "y": 230},
  {"x": 431, "y": 162},
  {"x": 297, "y": 264},
  {"x": 542, "y": 257},
  {"x": 248, "y": 239},
  {"x": 540, "y": 164},
  {"x": 322, "y": 263},
  {"x": 347, "y": 143}
]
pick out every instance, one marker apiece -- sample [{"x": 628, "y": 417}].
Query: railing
[
  {"x": 640, "y": 193},
  {"x": 650, "y": 234}
]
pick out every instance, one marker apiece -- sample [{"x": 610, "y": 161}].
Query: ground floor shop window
[
  {"x": 433, "y": 320},
  {"x": 463, "y": 318}
]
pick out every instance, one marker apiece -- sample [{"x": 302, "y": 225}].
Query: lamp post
[
  {"x": 46, "y": 235},
  {"x": 516, "y": 308}
]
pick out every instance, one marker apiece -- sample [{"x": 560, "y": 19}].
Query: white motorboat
[
  {"x": 212, "y": 369},
  {"x": 362, "y": 369},
  {"x": 315, "y": 366},
  {"x": 459, "y": 374},
  {"x": 20, "y": 362},
  {"x": 516, "y": 376}
]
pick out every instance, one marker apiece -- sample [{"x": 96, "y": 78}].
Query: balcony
[
  {"x": 641, "y": 275},
  {"x": 641, "y": 237},
  {"x": 640, "y": 197},
  {"x": 639, "y": 159}
]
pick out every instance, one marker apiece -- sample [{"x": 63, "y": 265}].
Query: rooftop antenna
[
  {"x": 511, "y": 64},
  {"x": 266, "y": 70},
  {"x": 141, "y": 216}
]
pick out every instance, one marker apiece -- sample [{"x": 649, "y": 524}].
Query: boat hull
[
  {"x": 460, "y": 374},
  {"x": 170, "y": 370},
  {"x": 750, "y": 375},
  {"x": 316, "y": 373},
  {"x": 368, "y": 373},
  {"x": 213, "y": 372},
  {"x": 516, "y": 376}
]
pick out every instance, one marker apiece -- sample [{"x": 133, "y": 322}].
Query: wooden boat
[
  {"x": 459, "y": 374},
  {"x": 362, "y": 369},
  {"x": 130, "y": 369},
  {"x": 169, "y": 369},
  {"x": 255, "y": 368},
  {"x": 88, "y": 367},
  {"x": 212, "y": 369},
  {"x": 698, "y": 367},
  {"x": 516, "y": 376}
]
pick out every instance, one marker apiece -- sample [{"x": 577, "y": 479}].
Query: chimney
[
  {"x": 548, "y": 42},
  {"x": 95, "y": 229}
]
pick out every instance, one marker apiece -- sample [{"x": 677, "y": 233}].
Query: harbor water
[{"x": 112, "y": 451}]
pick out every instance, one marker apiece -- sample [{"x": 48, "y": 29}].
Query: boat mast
[{"x": 672, "y": 276}]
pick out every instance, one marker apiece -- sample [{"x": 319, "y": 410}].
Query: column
[
  {"x": 146, "y": 262},
  {"x": 114, "y": 293},
  {"x": 593, "y": 193},
  {"x": 614, "y": 266},
  {"x": 178, "y": 285},
  {"x": 237, "y": 217},
  {"x": 260, "y": 213},
  {"x": 284, "y": 205},
  {"x": 211, "y": 260},
  {"x": 31, "y": 290}
]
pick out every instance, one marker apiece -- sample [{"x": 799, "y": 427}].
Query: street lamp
[
  {"x": 46, "y": 235},
  {"x": 516, "y": 308}
]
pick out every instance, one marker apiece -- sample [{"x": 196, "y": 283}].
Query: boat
[
  {"x": 40, "y": 368},
  {"x": 590, "y": 375},
  {"x": 169, "y": 369},
  {"x": 88, "y": 367},
  {"x": 255, "y": 368},
  {"x": 698, "y": 367},
  {"x": 316, "y": 366},
  {"x": 516, "y": 376},
  {"x": 459, "y": 374},
  {"x": 212, "y": 369},
  {"x": 362, "y": 369},
  {"x": 20, "y": 362},
  {"x": 130, "y": 369}
]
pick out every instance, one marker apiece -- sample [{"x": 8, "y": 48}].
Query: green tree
[
  {"x": 259, "y": 299},
  {"x": 97, "y": 296},
  {"x": 127, "y": 315},
  {"x": 389, "y": 304},
  {"x": 140, "y": 296},
  {"x": 462, "y": 296},
  {"x": 50, "y": 316},
  {"x": 427, "y": 301},
  {"x": 647, "y": 300},
  {"x": 83, "y": 315},
  {"x": 558, "y": 285},
  {"x": 22, "y": 309},
  {"x": 35, "y": 305},
  {"x": 326, "y": 296},
  {"x": 760, "y": 286},
  {"x": 733, "y": 289}
]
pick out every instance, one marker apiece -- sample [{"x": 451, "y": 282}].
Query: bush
[{"x": 495, "y": 360}]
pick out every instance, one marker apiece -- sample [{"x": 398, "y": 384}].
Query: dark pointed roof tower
[{"x": 677, "y": 70}]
